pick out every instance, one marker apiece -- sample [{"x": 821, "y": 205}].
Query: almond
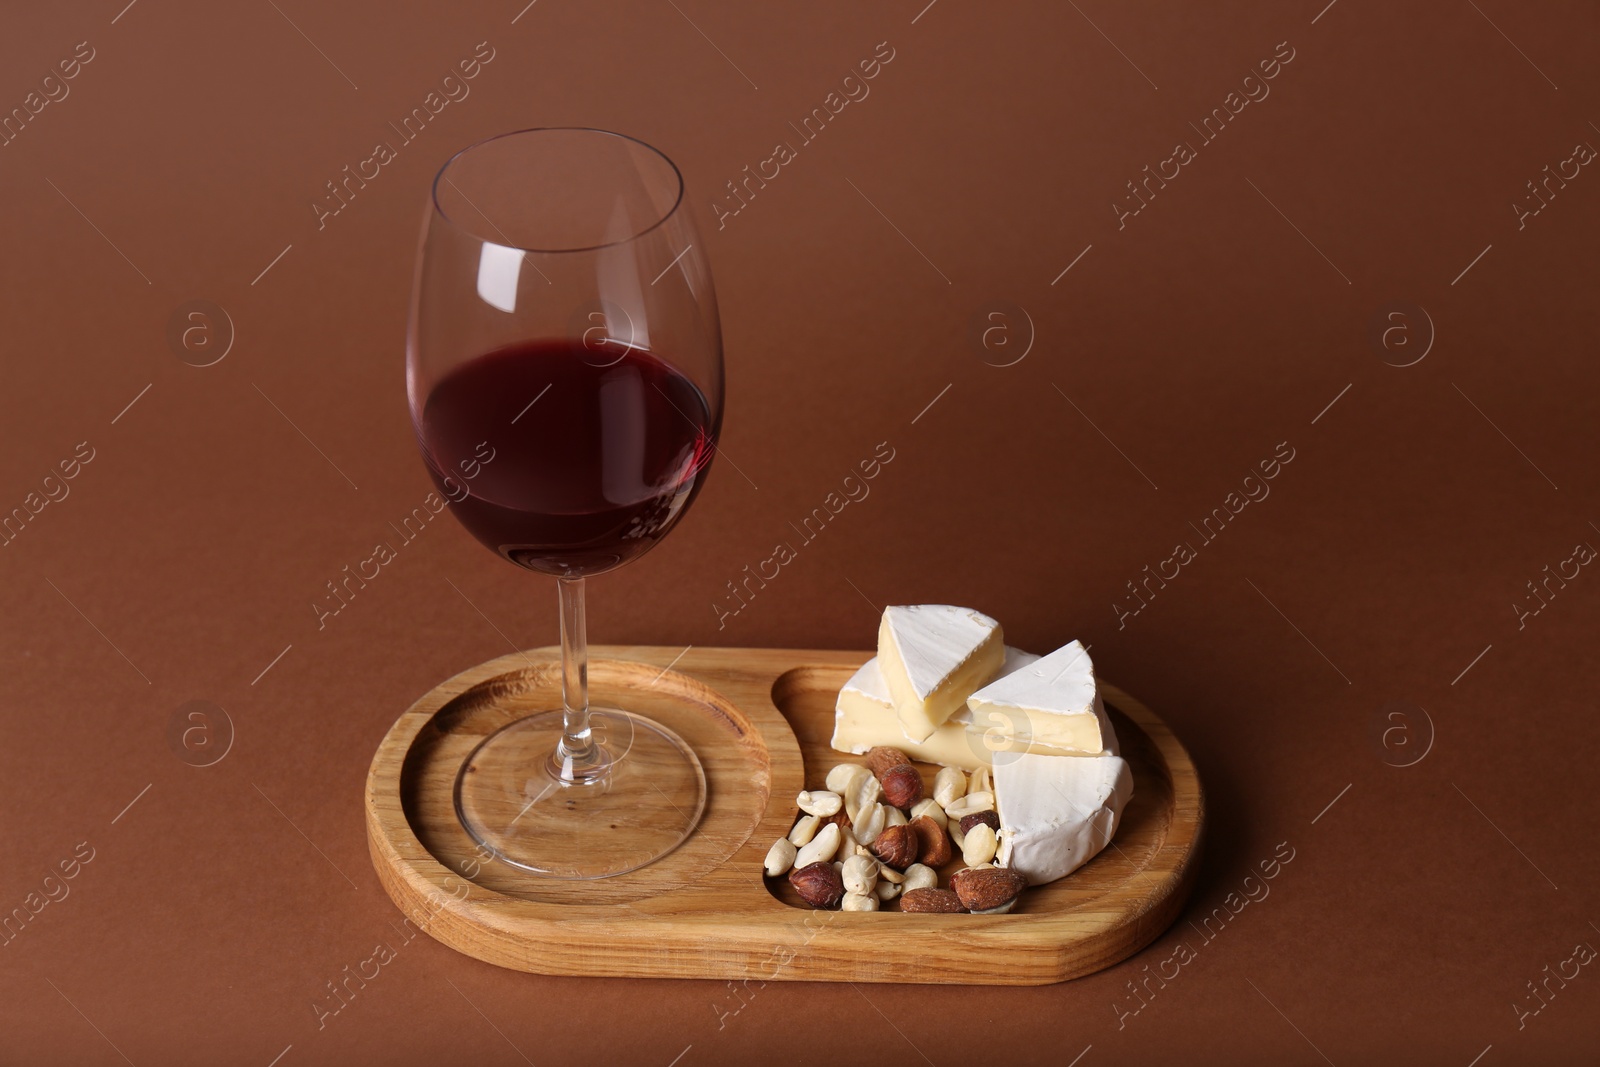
[
  {"x": 931, "y": 900},
  {"x": 933, "y": 844},
  {"x": 989, "y": 889},
  {"x": 902, "y": 785},
  {"x": 898, "y": 846},
  {"x": 819, "y": 884},
  {"x": 991, "y": 819},
  {"x": 880, "y": 759}
]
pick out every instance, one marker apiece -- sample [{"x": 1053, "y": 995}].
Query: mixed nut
[{"x": 874, "y": 836}]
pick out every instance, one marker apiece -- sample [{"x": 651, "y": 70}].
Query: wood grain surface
[{"x": 760, "y": 721}]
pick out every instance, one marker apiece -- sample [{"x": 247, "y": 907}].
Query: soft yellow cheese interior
[
  {"x": 921, "y": 713},
  {"x": 861, "y": 723},
  {"x": 1077, "y": 733},
  {"x": 864, "y": 718}
]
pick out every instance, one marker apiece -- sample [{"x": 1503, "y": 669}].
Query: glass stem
[{"x": 578, "y": 759}]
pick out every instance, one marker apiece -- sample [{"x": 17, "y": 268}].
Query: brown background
[{"x": 1197, "y": 338}]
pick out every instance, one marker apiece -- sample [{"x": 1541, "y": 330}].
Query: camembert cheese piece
[
  {"x": 864, "y": 718},
  {"x": 934, "y": 656},
  {"x": 1057, "y": 812},
  {"x": 1053, "y": 702}
]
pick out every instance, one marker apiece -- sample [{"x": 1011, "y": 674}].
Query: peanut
[
  {"x": 948, "y": 784},
  {"x": 868, "y": 791},
  {"x": 869, "y": 823},
  {"x": 979, "y": 845},
  {"x": 821, "y": 847},
  {"x": 780, "y": 857},
  {"x": 804, "y": 830},
  {"x": 844, "y": 778},
  {"x": 919, "y": 877},
  {"x": 859, "y": 902},
  {"x": 932, "y": 809},
  {"x": 958, "y": 809},
  {"x": 821, "y": 802},
  {"x": 860, "y": 874}
]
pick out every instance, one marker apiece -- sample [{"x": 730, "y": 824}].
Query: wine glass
[{"x": 564, "y": 371}]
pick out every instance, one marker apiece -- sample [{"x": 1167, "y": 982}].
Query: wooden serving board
[{"x": 760, "y": 720}]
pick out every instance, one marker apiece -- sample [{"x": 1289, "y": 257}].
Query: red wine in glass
[
  {"x": 564, "y": 373},
  {"x": 584, "y": 457}
]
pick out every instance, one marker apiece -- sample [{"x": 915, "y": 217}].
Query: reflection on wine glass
[{"x": 564, "y": 370}]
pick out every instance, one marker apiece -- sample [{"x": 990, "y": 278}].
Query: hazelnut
[
  {"x": 902, "y": 785},
  {"x": 819, "y": 884},
  {"x": 897, "y": 846}
]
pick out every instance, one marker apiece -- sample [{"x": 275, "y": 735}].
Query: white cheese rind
[
  {"x": 1054, "y": 701},
  {"x": 1056, "y": 812},
  {"x": 934, "y": 656},
  {"x": 1015, "y": 659}
]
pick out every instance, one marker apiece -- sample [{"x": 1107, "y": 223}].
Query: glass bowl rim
[{"x": 439, "y": 210}]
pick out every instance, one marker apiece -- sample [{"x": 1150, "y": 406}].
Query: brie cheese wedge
[
  {"x": 864, "y": 718},
  {"x": 1057, "y": 812},
  {"x": 1053, "y": 702},
  {"x": 934, "y": 656}
]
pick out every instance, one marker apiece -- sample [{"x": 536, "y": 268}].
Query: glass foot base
[{"x": 649, "y": 798}]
